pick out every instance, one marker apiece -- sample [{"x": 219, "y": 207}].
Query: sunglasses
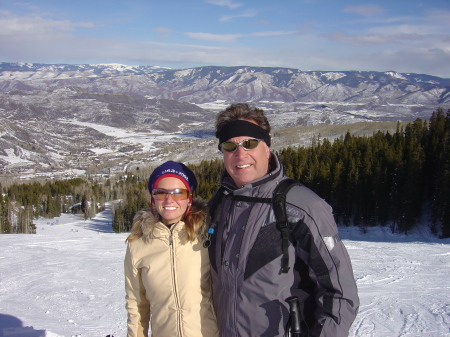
[
  {"x": 176, "y": 194},
  {"x": 246, "y": 144}
]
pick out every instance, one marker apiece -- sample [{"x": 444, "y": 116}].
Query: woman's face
[{"x": 171, "y": 210}]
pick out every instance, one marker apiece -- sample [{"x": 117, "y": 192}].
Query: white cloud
[
  {"x": 248, "y": 14},
  {"x": 419, "y": 29},
  {"x": 429, "y": 31},
  {"x": 365, "y": 10},
  {"x": 275, "y": 33},
  {"x": 164, "y": 30},
  {"x": 368, "y": 39},
  {"x": 227, "y": 3},
  {"x": 228, "y": 38},
  {"x": 214, "y": 37},
  {"x": 35, "y": 25},
  {"x": 438, "y": 17}
]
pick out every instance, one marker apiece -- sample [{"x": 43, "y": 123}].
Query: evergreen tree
[
  {"x": 50, "y": 208},
  {"x": 118, "y": 223},
  {"x": 5, "y": 225},
  {"x": 437, "y": 169}
]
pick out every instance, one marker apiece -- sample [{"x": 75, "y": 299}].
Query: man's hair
[{"x": 241, "y": 111}]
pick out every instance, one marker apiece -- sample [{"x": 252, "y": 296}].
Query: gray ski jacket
[{"x": 249, "y": 289}]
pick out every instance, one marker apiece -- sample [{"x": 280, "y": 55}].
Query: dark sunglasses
[
  {"x": 246, "y": 144},
  {"x": 177, "y": 194}
]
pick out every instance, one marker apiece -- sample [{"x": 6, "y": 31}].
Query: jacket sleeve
[
  {"x": 327, "y": 265},
  {"x": 137, "y": 305}
]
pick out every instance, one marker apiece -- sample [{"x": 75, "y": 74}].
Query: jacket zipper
[
  {"x": 228, "y": 220},
  {"x": 174, "y": 281}
]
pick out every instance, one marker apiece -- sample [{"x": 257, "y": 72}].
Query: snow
[
  {"x": 146, "y": 140},
  {"x": 67, "y": 280},
  {"x": 66, "y": 173},
  {"x": 396, "y": 75},
  {"x": 12, "y": 158},
  {"x": 333, "y": 76},
  {"x": 101, "y": 150}
]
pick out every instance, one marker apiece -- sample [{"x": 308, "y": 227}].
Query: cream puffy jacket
[{"x": 167, "y": 282}]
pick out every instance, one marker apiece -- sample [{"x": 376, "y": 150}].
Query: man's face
[{"x": 245, "y": 166}]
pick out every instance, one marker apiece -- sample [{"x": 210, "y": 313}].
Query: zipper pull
[
  {"x": 211, "y": 230},
  {"x": 170, "y": 240}
]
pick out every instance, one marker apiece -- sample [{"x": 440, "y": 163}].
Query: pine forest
[{"x": 398, "y": 179}]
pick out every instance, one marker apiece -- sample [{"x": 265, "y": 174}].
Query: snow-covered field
[{"x": 67, "y": 280}]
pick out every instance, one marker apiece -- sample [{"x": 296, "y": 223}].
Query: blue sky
[{"x": 401, "y": 35}]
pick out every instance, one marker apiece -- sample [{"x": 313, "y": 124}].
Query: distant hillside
[{"x": 59, "y": 117}]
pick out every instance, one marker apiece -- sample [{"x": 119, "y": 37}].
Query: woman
[{"x": 167, "y": 270}]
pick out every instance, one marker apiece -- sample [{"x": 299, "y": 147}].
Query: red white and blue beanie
[{"x": 173, "y": 169}]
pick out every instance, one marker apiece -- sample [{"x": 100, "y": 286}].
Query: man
[{"x": 249, "y": 285}]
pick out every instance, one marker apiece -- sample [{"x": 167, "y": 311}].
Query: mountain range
[{"x": 65, "y": 119}]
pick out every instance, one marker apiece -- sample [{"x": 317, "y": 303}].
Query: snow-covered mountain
[
  {"x": 60, "y": 116},
  {"x": 232, "y": 84}
]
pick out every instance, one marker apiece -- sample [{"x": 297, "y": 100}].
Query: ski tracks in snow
[
  {"x": 404, "y": 288},
  {"x": 67, "y": 279}
]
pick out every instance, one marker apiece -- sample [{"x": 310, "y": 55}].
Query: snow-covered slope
[{"x": 67, "y": 280}]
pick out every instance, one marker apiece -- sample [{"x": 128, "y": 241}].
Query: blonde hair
[{"x": 196, "y": 223}]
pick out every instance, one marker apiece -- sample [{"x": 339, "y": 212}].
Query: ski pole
[{"x": 294, "y": 317}]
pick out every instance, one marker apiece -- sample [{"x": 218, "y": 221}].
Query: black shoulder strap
[
  {"x": 278, "y": 201},
  {"x": 212, "y": 204},
  {"x": 279, "y": 207},
  {"x": 215, "y": 201}
]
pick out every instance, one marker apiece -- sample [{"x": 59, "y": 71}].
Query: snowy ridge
[
  {"x": 395, "y": 74},
  {"x": 107, "y": 68},
  {"x": 147, "y": 102}
]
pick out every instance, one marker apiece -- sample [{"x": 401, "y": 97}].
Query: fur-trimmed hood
[{"x": 144, "y": 222}]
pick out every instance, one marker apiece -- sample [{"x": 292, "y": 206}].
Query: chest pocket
[{"x": 266, "y": 248}]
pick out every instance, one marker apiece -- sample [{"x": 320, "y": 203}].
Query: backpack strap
[
  {"x": 278, "y": 201},
  {"x": 279, "y": 207},
  {"x": 215, "y": 201},
  {"x": 212, "y": 204}
]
